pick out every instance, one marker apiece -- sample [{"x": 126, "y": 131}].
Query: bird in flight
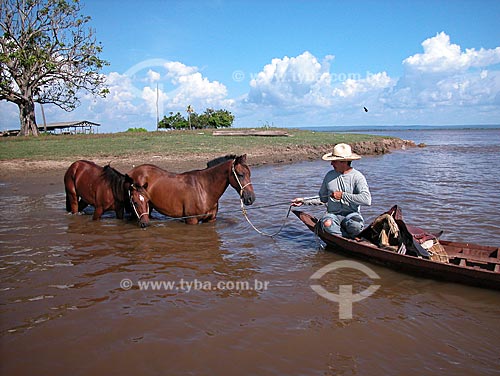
[{"x": 366, "y": 110}]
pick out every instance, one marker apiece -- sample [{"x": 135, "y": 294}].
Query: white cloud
[
  {"x": 303, "y": 90},
  {"x": 444, "y": 75},
  {"x": 304, "y": 81},
  {"x": 292, "y": 80},
  {"x": 197, "y": 89},
  {"x": 153, "y": 76},
  {"x": 176, "y": 69},
  {"x": 442, "y": 56},
  {"x": 121, "y": 89},
  {"x": 151, "y": 96},
  {"x": 374, "y": 82},
  {"x": 9, "y": 115}
]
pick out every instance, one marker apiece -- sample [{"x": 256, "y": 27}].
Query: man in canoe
[{"x": 344, "y": 191}]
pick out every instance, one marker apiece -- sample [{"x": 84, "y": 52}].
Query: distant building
[{"x": 67, "y": 127}]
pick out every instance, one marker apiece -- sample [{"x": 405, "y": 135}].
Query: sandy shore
[{"x": 49, "y": 169}]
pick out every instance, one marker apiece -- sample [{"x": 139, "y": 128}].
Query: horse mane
[
  {"x": 219, "y": 160},
  {"x": 115, "y": 180}
]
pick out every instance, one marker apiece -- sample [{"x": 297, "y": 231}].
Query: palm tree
[{"x": 189, "y": 110}]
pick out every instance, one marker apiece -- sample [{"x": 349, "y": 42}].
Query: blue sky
[{"x": 294, "y": 63}]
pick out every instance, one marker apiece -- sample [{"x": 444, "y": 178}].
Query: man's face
[{"x": 339, "y": 166}]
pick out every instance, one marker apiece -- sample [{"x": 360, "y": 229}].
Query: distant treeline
[{"x": 209, "y": 119}]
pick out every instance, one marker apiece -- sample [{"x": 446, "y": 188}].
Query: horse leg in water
[
  {"x": 119, "y": 210},
  {"x": 213, "y": 216},
  {"x": 71, "y": 196},
  {"x": 196, "y": 220},
  {"x": 74, "y": 204},
  {"x": 82, "y": 205},
  {"x": 98, "y": 213},
  {"x": 191, "y": 221},
  {"x": 71, "y": 202}
]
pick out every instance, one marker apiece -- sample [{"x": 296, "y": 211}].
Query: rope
[
  {"x": 244, "y": 211},
  {"x": 231, "y": 211}
]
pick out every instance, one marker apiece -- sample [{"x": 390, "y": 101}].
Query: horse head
[
  {"x": 139, "y": 200},
  {"x": 240, "y": 179}
]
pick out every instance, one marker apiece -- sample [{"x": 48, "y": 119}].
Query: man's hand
[
  {"x": 297, "y": 201},
  {"x": 337, "y": 195}
]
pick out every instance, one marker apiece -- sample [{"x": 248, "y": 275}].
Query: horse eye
[{"x": 241, "y": 175}]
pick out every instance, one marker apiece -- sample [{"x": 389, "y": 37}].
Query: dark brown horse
[
  {"x": 194, "y": 195},
  {"x": 102, "y": 187}
]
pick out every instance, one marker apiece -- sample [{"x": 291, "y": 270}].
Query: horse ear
[{"x": 242, "y": 159}]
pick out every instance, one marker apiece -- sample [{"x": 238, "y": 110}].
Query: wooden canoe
[{"x": 470, "y": 264}]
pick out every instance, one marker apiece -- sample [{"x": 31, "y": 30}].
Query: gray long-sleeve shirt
[{"x": 355, "y": 192}]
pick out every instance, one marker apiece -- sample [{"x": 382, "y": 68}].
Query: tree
[
  {"x": 47, "y": 55},
  {"x": 219, "y": 118},
  {"x": 214, "y": 119},
  {"x": 209, "y": 119},
  {"x": 174, "y": 121}
]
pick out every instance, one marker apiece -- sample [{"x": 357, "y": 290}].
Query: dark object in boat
[{"x": 389, "y": 231}]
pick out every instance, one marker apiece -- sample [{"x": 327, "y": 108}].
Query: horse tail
[{"x": 70, "y": 187}]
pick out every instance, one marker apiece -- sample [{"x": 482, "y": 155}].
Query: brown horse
[
  {"x": 139, "y": 202},
  {"x": 194, "y": 195},
  {"x": 102, "y": 187}
]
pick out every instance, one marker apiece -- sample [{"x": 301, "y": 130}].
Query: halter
[
  {"x": 133, "y": 206},
  {"x": 242, "y": 187}
]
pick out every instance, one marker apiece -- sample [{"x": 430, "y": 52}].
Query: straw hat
[{"x": 341, "y": 152}]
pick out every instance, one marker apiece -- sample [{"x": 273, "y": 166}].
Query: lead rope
[{"x": 244, "y": 210}]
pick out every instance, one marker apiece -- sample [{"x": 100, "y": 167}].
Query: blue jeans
[{"x": 347, "y": 226}]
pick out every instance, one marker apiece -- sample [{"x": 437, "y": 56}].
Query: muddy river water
[{"x": 80, "y": 297}]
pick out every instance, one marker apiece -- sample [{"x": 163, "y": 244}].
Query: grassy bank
[{"x": 175, "y": 143}]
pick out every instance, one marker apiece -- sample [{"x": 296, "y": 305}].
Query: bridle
[
  {"x": 244, "y": 211},
  {"x": 133, "y": 206},
  {"x": 242, "y": 187}
]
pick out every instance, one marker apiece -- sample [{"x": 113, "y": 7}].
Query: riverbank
[{"x": 175, "y": 151}]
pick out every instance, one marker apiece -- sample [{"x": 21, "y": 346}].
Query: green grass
[{"x": 55, "y": 147}]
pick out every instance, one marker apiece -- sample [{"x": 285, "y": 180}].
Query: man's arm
[
  {"x": 362, "y": 195},
  {"x": 316, "y": 200}
]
